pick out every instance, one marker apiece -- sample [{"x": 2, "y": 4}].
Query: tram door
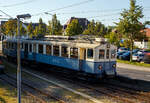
[{"x": 82, "y": 57}]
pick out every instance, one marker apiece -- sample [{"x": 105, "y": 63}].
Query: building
[
  {"x": 144, "y": 44},
  {"x": 82, "y": 21}
]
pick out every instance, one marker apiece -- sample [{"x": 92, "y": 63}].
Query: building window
[
  {"x": 30, "y": 47},
  {"x": 73, "y": 52},
  {"x": 113, "y": 54},
  {"x": 40, "y": 48},
  {"x": 56, "y": 50},
  {"x": 107, "y": 54},
  {"x": 90, "y": 53},
  {"x": 48, "y": 49},
  {"x": 64, "y": 51},
  {"x": 101, "y": 54}
]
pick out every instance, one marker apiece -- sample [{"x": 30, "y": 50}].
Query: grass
[
  {"x": 7, "y": 93},
  {"x": 133, "y": 63}
]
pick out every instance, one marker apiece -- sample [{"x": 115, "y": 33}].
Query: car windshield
[{"x": 135, "y": 54}]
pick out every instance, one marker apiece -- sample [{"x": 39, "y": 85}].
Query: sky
[{"x": 105, "y": 11}]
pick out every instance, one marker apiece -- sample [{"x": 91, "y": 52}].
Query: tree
[
  {"x": 35, "y": 32},
  {"x": 97, "y": 29},
  {"x": 130, "y": 26},
  {"x": 41, "y": 28},
  {"x": 30, "y": 30},
  {"x": 74, "y": 28},
  {"x": 23, "y": 31},
  {"x": 55, "y": 28},
  {"x": 10, "y": 27},
  {"x": 113, "y": 38}
]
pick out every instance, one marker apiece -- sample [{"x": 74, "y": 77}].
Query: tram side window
[
  {"x": 15, "y": 45},
  {"x": 101, "y": 54},
  {"x": 113, "y": 54},
  {"x": 7, "y": 45},
  {"x": 40, "y": 49},
  {"x": 48, "y": 49},
  {"x": 21, "y": 45},
  {"x": 30, "y": 47},
  {"x": 56, "y": 50},
  {"x": 64, "y": 51},
  {"x": 90, "y": 53},
  {"x": 34, "y": 48},
  {"x": 107, "y": 54},
  {"x": 4, "y": 45},
  {"x": 74, "y": 52}
]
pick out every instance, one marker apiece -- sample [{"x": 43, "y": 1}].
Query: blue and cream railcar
[{"x": 94, "y": 58}]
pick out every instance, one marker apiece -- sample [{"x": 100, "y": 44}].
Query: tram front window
[
  {"x": 101, "y": 54},
  {"x": 90, "y": 53},
  {"x": 107, "y": 54},
  {"x": 113, "y": 54}
]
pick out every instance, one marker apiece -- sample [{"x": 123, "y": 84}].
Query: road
[{"x": 134, "y": 74}]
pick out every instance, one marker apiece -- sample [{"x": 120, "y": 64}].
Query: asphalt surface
[{"x": 134, "y": 74}]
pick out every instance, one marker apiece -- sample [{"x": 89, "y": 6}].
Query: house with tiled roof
[{"x": 144, "y": 44}]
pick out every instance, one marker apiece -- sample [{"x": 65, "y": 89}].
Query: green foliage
[
  {"x": 74, "y": 28},
  {"x": 97, "y": 29},
  {"x": 41, "y": 28},
  {"x": 10, "y": 27},
  {"x": 55, "y": 28},
  {"x": 36, "y": 30},
  {"x": 113, "y": 38},
  {"x": 30, "y": 30},
  {"x": 130, "y": 26},
  {"x": 23, "y": 31}
]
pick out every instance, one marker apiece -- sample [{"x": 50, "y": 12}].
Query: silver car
[{"x": 137, "y": 57}]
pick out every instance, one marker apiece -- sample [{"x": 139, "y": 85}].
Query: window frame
[
  {"x": 54, "y": 52},
  {"x": 63, "y": 54},
  {"x": 102, "y": 54},
  {"x": 72, "y": 53},
  {"x": 50, "y": 51},
  {"x": 87, "y": 57},
  {"x": 40, "y": 50}
]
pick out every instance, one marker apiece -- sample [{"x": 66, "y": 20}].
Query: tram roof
[{"x": 72, "y": 41}]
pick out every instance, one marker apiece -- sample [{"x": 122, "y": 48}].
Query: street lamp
[
  {"x": 24, "y": 16},
  {"x": 52, "y": 22}
]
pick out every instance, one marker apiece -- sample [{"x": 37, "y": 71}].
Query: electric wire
[
  {"x": 69, "y": 6},
  {"x": 18, "y": 4}
]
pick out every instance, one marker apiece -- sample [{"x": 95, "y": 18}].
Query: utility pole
[
  {"x": 19, "y": 64},
  {"x": 18, "y": 56}
]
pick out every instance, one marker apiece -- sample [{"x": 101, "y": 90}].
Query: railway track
[
  {"x": 118, "y": 92},
  {"x": 42, "y": 97},
  {"x": 13, "y": 84}
]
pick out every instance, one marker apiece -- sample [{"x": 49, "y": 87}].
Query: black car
[{"x": 120, "y": 53}]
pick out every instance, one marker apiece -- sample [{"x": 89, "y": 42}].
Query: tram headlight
[
  {"x": 114, "y": 65},
  {"x": 100, "y": 67}
]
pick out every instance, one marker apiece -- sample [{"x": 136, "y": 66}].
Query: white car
[{"x": 137, "y": 57}]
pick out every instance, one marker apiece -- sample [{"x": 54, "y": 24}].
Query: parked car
[
  {"x": 121, "y": 49},
  {"x": 1, "y": 66},
  {"x": 143, "y": 52},
  {"x": 146, "y": 58},
  {"x": 137, "y": 57},
  {"x": 125, "y": 56},
  {"x": 120, "y": 53},
  {"x": 135, "y": 51}
]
